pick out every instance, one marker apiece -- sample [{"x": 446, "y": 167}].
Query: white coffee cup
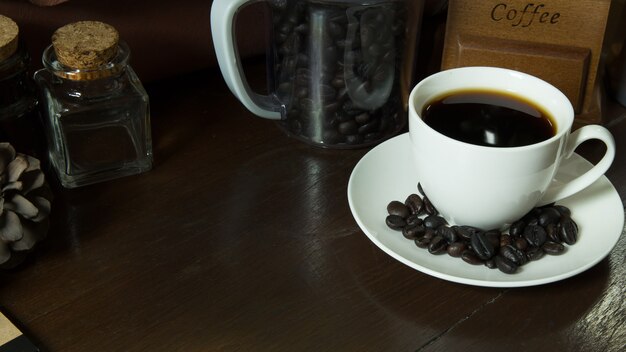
[{"x": 490, "y": 187}]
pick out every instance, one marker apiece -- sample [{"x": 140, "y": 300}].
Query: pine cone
[{"x": 25, "y": 201}]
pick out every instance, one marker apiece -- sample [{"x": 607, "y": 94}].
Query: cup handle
[
  {"x": 555, "y": 193},
  {"x": 223, "y": 14}
]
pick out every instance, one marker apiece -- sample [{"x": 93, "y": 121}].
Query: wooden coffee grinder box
[{"x": 559, "y": 41}]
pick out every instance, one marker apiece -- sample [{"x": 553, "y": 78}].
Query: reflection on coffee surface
[{"x": 489, "y": 118}]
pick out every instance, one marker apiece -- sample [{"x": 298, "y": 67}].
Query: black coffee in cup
[{"x": 489, "y": 118}]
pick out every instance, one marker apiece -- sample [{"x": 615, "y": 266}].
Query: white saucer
[{"x": 387, "y": 173}]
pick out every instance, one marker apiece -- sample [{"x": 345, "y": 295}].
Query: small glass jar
[
  {"x": 19, "y": 118},
  {"x": 97, "y": 120}
]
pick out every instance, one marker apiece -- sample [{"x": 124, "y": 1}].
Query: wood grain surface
[{"x": 241, "y": 239}]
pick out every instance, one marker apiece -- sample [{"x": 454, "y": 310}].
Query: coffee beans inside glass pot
[
  {"x": 544, "y": 230},
  {"x": 336, "y": 70}
]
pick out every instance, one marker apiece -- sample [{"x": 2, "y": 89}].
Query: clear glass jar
[
  {"x": 337, "y": 69},
  {"x": 97, "y": 121},
  {"x": 19, "y": 118}
]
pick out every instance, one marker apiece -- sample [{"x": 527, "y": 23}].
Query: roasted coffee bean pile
[
  {"x": 337, "y": 68},
  {"x": 544, "y": 230}
]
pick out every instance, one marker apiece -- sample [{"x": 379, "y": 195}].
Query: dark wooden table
[{"x": 241, "y": 239}]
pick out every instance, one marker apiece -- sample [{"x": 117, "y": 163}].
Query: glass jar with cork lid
[
  {"x": 95, "y": 110},
  {"x": 19, "y": 119}
]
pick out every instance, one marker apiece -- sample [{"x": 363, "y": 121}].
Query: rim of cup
[{"x": 483, "y": 78}]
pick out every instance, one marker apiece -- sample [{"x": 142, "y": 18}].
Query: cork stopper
[
  {"x": 85, "y": 44},
  {"x": 8, "y": 37}
]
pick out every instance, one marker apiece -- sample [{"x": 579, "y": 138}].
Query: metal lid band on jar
[{"x": 113, "y": 67}]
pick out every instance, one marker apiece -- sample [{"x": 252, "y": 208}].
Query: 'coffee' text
[{"x": 525, "y": 17}]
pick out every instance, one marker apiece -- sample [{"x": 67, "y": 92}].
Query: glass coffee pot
[{"x": 334, "y": 68}]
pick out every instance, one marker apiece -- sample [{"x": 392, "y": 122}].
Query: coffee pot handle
[
  {"x": 223, "y": 14},
  {"x": 555, "y": 193}
]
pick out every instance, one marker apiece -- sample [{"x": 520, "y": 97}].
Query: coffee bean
[
  {"x": 414, "y": 219},
  {"x": 437, "y": 245},
  {"x": 362, "y": 119},
  {"x": 534, "y": 253},
  {"x": 447, "y": 233},
  {"x": 466, "y": 232},
  {"x": 290, "y": 45},
  {"x": 278, "y": 4},
  {"x": 517, "y": 228},
  {"x": 535, "y": 235},
  {"x": 376, "y": 50},
  {"x": 285, "y": 88},
  {"x": 565, "y": 211},
  {"x": 494, "y": 237},
  {"x": 513, "y": 254},
  {"x": 456, "y": 249},
  {"x": 354, "y": 139},
  {"x": 470, "y": 257},
  {"x": 301, "y": 92},
  {"x": 434, "y": 221},
  {"x": 349, "y": 109},
  {"x": 337, "y": 82},
  {"x": 460, "y": 233},
  {"x": 302, "y": 59},
  {"x": 413, "y": 231},
  {"x": 568, "y": 230},
  {"x": 521, "y": 244},
  {"x": 419, "y": 189},
  {"x": 336, "y": 30},
  {"x": 505, "y": 240},
  {"x": 330, "y": 54},
  {"x": 342, "y": 95},
  {"x": 552, "y": 230},
  {"x": 549, "y": 215},
  {"x": 369, "y": 127},
  {"x": 414, "y": 203},
  {"x": 505, "y": 265},
  {"x": 422, "y": 242},
  {"x": 329, "y": 109},
  {"x": 370, "y": 137},
  {"x": 326, "y": 92},
  {"x": 429, "y": 207},
  {"x": 395, "y": 222},
  {"x": 532, "y": 222},
  {"x": 397, "y": 208},
  {"x": 348, "y": 127},
  {"x": 307, "y": 105},
  {"x": 332, "y": 137},
  {"x": 491, "y": 263},
  {"x": 532, "y": 214},
  {"x": 553, "y": 248},
  {"x": 430, "y": 233},
  {"x": 482, "y": 246}
]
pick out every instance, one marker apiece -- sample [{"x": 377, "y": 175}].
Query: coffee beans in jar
[
  {"x": 544, "y": 230},
  {"x": 335, "y": 68}
]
